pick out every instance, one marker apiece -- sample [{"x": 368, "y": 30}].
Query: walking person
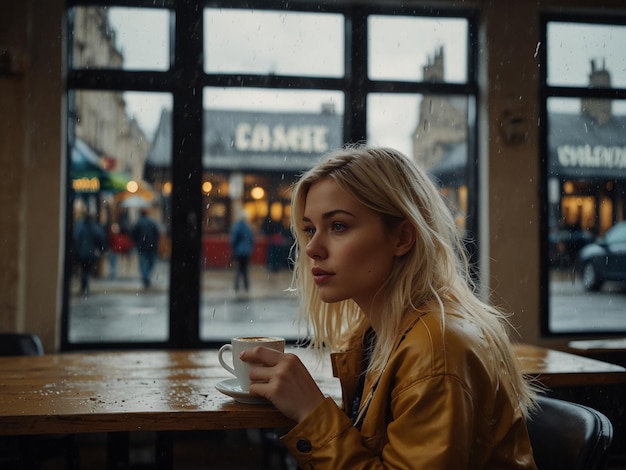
[
  {"x": 242, "y": 244},
  {"x": 428, "y": 374},
  {"x": 145, "y": 234},
  {"x": 89, "y": 242}
]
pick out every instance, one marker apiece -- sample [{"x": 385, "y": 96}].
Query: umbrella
[{"x": 134, "y": 201}]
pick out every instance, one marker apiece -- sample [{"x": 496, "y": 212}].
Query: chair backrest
[
  {"x": 569, "y": 436},
  {"x": 20, "y": 344}
]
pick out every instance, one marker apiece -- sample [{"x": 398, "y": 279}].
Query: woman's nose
[{"x": 314, "y": 249}]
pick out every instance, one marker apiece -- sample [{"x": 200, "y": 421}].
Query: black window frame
[
  {"x": 185, "y": 80},
  {"x": 547, "y": 91}
]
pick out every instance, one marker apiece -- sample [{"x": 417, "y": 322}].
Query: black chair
[
  {"x": 20, "y": 344},
  {"x": 29, "y": 451},
  {"x": 569, "y": 436}
]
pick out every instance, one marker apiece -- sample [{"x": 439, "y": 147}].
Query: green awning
[{"x": 87, "y": 174}]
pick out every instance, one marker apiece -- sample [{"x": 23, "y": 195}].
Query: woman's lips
[{"x": 320, "y": 276}]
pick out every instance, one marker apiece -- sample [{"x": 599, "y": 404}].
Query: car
[{"x": 604, "y": 259}]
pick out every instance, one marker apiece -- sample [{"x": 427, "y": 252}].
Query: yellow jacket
[{"x": 438, "y": 404}]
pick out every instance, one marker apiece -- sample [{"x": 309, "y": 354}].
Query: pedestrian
[
  {"x": 89, "y": 243},
  {"x": 145, "y": 234},
  {"x": 427, "y": 370},
  {"x": 120, "y": 244},
  {"x": 242, "y": 244}
]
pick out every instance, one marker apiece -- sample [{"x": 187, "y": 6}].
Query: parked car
[{"x": 604, "y": 259}]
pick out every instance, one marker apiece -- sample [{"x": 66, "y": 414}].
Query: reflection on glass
[
  {"x": 256, "y": 143},
  {"x": 120, "y": 38},
  {"x": 112, "y": 180},
  {"x": 586, "y": 197},
  {"x": 572, "y": 48},
  {"x": 285, "y": 43},
  {"x": 411, "y": 48},
  {"x": 431, "y": 129}
]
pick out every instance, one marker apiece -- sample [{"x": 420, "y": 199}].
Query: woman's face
[{"x": 351, "y": 254}]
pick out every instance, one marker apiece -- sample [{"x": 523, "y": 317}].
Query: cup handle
[{"x": 223, "y": 349}]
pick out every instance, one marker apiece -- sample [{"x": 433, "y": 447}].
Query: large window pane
[
  {"x": 586, "y": 198},
  {"x": 110, "y": 142},
  {"x": 412, "y": 48},
  {"x": 120, "y": 38},
  {"x": 280, "y": 43},
  {"x": 237, "y": 147},
  {"x": 577, "y": 51},
  {"x": 256, "y": 143},
  {"x": 586, "y": 179}
]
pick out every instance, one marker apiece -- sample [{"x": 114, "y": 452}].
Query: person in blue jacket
[
  {"x": 242, "y": 244},
  {"x": 145, "y": 235},
  {"x": 89, "y": 242}
]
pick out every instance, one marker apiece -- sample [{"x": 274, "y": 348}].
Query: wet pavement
[{"x": 122, "y": 310}]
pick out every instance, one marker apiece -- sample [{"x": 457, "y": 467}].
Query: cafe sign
[
  {"x": 280, "y": 138},
  {"x": 86, "y": 185},
  {"x": 588, "y": 156}
]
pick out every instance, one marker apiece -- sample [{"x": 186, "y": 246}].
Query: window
[
  {"x": 201, "y": 118},
  {"x": 584, "y": 85}
]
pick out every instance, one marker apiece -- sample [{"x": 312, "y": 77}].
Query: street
[
  {"x": 575, "y": 310},
  {"x": 121, "y": 310}
]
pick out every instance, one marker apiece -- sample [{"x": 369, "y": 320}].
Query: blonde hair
[{"x": 434, "y": 274}]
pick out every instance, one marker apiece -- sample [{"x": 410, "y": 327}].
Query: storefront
[
  {"x": 586, "y": 181},
  {"x": 586, "y": 172},
  {"x": 250, "y": 160}
]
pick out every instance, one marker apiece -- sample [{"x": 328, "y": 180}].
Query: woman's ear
[{"x": 405, "y": 238}]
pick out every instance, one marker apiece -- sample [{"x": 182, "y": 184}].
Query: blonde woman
[{"x": 428, "y": 376}]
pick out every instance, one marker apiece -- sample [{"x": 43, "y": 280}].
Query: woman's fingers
[
  {"x": 284, "y": 380},
  {"x": 261, "y": 355}
]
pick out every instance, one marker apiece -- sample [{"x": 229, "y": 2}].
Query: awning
[{"x": 88, "y": 175}]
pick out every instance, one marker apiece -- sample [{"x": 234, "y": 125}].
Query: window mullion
[
  {"x": 355, "y": 116},
  {"x": 186, "y": 176}
]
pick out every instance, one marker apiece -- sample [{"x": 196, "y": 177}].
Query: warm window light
[
  {"x": 568, "y": 187},
  {"x": 167, "y": 188},
  {"x": 207, "y": 187},
  {"x": 257, "y": 193},
  {"x": 276, "y": 211},
  {"x": 223, "y": 187},
  {"x": 132, "y": 186}
]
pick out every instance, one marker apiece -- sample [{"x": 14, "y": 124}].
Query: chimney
[
  {"x": 433, "y": 71},
  {"x": 598, "y": 109}
]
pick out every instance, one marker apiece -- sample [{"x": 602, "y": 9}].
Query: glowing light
[
  {"x": 132, "y": 186},
  {"x": 167, "y": 188},
  {"x": 257, "y": 193}
]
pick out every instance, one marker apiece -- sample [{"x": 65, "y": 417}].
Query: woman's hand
[{"x": 282, "y": 379}]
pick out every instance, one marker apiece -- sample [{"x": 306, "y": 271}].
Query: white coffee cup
[{"x": 241, "y": 369}]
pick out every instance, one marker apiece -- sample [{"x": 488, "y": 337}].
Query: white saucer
[{"x": 231, "y": 388}]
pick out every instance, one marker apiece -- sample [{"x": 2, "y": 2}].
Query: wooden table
[
  {"x": 126, "y": 391},
  {"x": 595, "y": 346},
  {"x": 175, "y": 390},
  {"x": 554, "y": 368}
]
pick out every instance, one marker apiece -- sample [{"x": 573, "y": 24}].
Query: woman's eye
[
  {"x": 338, "y": 227},
  {"x": 309, "y": 231}
]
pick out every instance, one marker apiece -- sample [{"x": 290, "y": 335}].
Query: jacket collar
[{"x": 347, "y": 365}]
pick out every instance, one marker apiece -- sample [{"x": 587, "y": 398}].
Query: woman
[{"x": 427, "y": 371}]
